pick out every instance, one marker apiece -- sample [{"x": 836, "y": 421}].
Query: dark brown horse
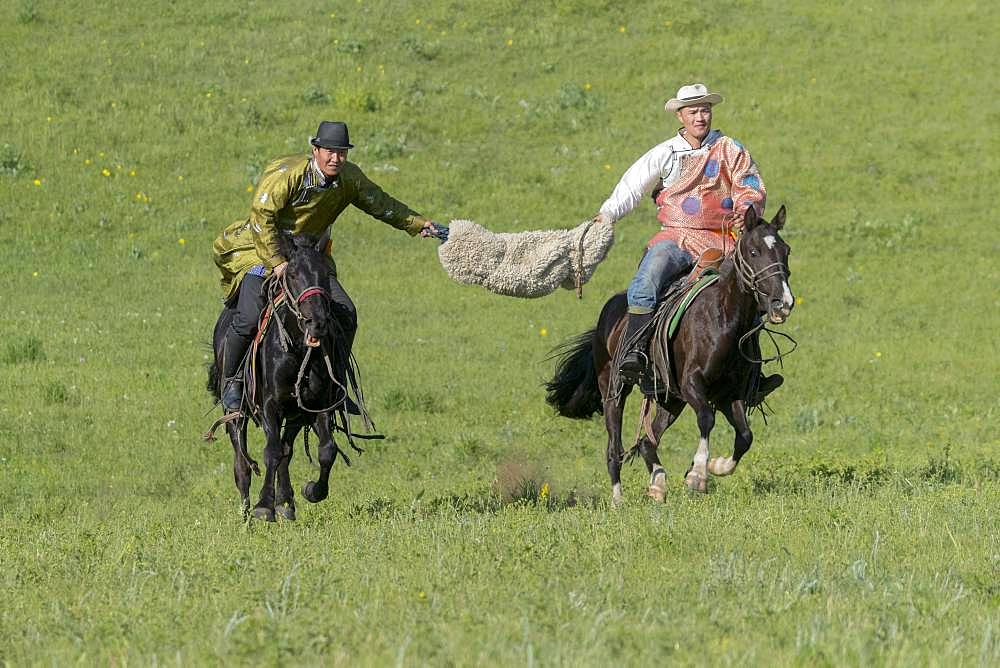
[
  {"x": 291, "y": 384},
  {"x": 704, "y": 362}
]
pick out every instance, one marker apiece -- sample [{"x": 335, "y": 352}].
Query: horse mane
[{"x": 291, "y": 245}]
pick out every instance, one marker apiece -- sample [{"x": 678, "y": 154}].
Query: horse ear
[
  {"x": 779, "y": 218},
  {"x": 322, "y": 241},
  {"x": 750, "y": 218}
]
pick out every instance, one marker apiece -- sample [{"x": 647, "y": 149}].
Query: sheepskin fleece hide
[{"x": 524, "y": 264}]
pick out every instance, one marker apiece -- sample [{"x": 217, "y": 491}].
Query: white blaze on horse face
[
  {"x": 770, "y": 241},
  {"x": 786, "y": 295}
]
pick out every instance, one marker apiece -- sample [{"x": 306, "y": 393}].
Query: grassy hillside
[{"x": 860, "y": 529}]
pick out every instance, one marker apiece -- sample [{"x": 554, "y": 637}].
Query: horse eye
[{"x": 753, "y": 252}]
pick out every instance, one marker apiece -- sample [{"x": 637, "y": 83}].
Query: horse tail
[{"x": 573, "y": 391}]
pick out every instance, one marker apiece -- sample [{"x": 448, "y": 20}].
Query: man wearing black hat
[{"x": 297, "y": 194}]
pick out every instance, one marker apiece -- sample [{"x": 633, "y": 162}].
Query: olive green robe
[{"x": 292, "y": 197}]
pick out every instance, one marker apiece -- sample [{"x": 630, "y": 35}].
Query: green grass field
[{"x": 861, "y": 529}]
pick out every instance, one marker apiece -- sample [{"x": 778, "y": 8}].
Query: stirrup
[{"x": 633, "y": 366}]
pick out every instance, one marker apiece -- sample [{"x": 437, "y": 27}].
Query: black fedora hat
[{"x": 332, "y": 134}]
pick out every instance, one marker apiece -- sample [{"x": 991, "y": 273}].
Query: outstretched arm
[{"x": 377, "y": 203}]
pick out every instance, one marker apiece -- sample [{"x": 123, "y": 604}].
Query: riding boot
[
  {"x": 765, "y": 386},
  {"x": 233, "y": 351},
  {"x": 341, "y": 373},
  {"x": 636, "y": 337}
]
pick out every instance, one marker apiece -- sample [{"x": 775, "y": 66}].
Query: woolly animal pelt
[{"x": 524, "y": 264}]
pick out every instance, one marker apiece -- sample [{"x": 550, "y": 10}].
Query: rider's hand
[
  {"x": 280, "y": 269},
  {"x": 739, "y": 216},
  {"x": 428, "y": 229}
]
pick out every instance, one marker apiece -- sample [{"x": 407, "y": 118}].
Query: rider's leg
[
  {"x": 346, "y": 316},
  {"x": 764, "y": 385},
  {"x": 249, "y": 304},
  {"x": 662, "y": 262}
]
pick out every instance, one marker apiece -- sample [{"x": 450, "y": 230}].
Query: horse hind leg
[
  {"x": 736, "y": 416},
  {"x": 613, "y": 410}
]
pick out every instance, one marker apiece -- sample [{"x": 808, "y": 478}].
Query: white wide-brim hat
[{"x": 690, "y": 95}]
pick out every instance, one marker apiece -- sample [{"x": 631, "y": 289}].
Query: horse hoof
[
  {"x": 617, "y": 500},
  {"x": 720, "y": 466},
  {"x": 287, "y": 512},
  {"x": 310, "y": 494},
  {"x": 696, "y": 482},
  {"x": 262, "y": 513},
  {"x": 658, "y": 486}
]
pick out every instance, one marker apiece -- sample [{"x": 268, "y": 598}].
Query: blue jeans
[{"x": 661, "y": 264}]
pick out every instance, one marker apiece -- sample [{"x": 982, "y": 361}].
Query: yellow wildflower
[
  {"x": 105, "y": 172},
  {"x": 543, "y": 332},
  {"x": 510, "y": 42},
  {"x": 181, "y": 242},
  {"x": 37, "y": 182}
]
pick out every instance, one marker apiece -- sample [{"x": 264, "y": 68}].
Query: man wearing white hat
[{"x": 702, "y": 182}]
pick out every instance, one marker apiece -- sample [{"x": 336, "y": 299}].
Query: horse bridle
[
  {"x": 311, "y": 291},
  {"x": 750, "y": 279}
]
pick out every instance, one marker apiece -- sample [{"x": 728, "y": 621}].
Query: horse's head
[
  {"x": 306, "y": 282},
  {"x": 762, "y": 262}
]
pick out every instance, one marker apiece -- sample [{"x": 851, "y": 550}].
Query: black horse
[
  {"x": 703, "y": 361},
  {"x": 290, "y": 380}
]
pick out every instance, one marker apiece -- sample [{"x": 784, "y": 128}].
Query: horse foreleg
[
  {"x": 315, "y": 492},
  {"x": 271, "y": 424},
  {"x": 284, "y": 502},
  {"x": 694, "y": 393},
  {"x": 736, "y": 416},
  {"x": 665, "y": 416},
  {"x": 241, "y": 467}
]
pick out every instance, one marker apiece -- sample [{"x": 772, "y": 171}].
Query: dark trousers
[{"x": 250, "y": 302}]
